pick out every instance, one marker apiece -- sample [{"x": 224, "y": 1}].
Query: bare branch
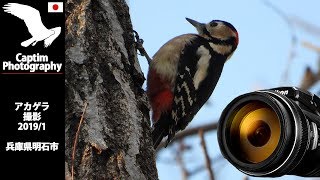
[
  {"x": 203, "y": 167},
  {"x": 285, "y": 75},
  {"x": 310, "y": 77},
  {"x": 206, "y": 155},
  {"x": 179, "y": 158},
  {"x": 306, "y": 26},
  {"x": 311, "y": 46},
  {"x": 281, "y": 14},
  {"x": 190, "y": 132},
  {"x": 245, "y": 177}
]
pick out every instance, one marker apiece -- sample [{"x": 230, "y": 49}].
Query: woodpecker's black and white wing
[
  {"x": 184, "y": 99},
  {"x": 29, "y": 15},
  {"x": 199, "y": 71}
]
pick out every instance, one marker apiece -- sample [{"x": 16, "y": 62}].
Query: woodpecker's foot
[{"x": 139, "y": 46}]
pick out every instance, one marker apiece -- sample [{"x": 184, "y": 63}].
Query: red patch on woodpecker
[
  {"x": 161, "y": 103},
  {"x": 160, "y": 95}
]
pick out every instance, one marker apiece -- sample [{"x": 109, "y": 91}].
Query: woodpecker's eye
[{"x": 213, "y": 24}]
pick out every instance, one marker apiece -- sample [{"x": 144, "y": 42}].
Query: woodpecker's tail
[
  {"x": 160, "y": 130},
  {"x": 157, "y": 135}
]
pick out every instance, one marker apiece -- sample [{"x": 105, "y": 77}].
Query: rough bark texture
[{"x": 102, "y": 69}]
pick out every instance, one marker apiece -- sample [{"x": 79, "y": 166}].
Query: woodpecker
[{"x": 184, "y": 73}]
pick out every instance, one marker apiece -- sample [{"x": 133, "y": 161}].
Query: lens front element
[
  {"x": 258, "y": 134},
  {"x": 255, "y": 131},
  {"x": 269, "y": 133}
]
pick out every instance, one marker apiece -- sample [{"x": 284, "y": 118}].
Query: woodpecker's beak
[{"x": 200, "y": 26}]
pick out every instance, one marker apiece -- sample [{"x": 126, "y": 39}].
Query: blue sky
[{"x": 258, "y": 63}]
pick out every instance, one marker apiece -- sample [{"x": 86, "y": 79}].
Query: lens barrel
[{"x": 272, "y": 133}]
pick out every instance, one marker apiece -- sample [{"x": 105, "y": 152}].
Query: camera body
[{"x": 272, "y": 133}]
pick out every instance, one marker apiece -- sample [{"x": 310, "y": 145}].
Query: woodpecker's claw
[{"x": 139, "y": 46}]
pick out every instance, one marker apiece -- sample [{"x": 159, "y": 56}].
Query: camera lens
[
  {"x": 255, "y": 128},
  {"x": 264, "y": 133}
]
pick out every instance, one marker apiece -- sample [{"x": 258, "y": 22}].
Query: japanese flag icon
[{"x": 55, "y": 7}]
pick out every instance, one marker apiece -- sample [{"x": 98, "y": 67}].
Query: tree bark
[{"x": 102, "y": 70}]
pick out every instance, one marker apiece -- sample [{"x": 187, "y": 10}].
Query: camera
[{"x": 272, "y": 132}]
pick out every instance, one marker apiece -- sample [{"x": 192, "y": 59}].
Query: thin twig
[
  {"x": 203, "y": 167},
  {"x": 308, "y": 27},
  {"x": 280, "y": 13},
  {"x": 189, "y": 132},
  {"x": 245, "y": 177},
  {"x": 76, "y": 140},
  {"x": 180, "y": 162},
  {"x": 310, "y": 78},
  {"x": 291, "y": 56},
  {"x": 311, "y": 46},
  {"x": 206, "y": 155}
]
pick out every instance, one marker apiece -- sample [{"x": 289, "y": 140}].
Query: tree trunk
[{"x": 102, "y": 70}]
